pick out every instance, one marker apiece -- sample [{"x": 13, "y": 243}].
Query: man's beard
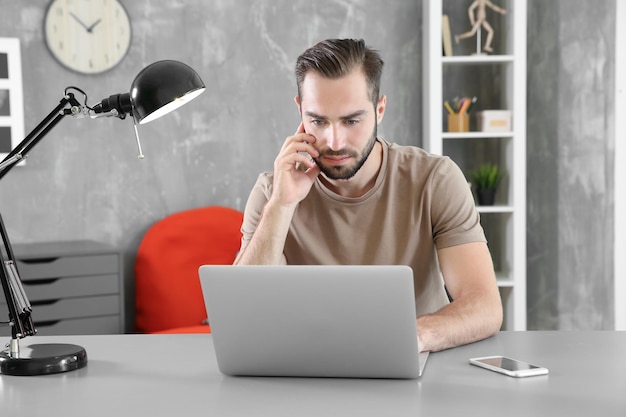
[{"x": 347, "y": 172}]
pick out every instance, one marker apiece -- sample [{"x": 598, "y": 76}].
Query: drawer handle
[
  {"x": 38, "y": 260},
  {"x": 46, "y": 323},
  {"x": 43, "y": 281},
  {"x": 44, "y": 302}
]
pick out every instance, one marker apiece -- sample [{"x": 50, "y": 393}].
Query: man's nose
[{"x": 335, "y": 138}]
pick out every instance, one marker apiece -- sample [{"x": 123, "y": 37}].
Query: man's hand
[{"x": 294, "y": 170}]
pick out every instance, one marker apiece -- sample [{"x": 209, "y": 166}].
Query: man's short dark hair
[{"x": 335, "y": 58}]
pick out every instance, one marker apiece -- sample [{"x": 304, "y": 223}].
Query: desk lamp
[{"x": 158, "y": 89}]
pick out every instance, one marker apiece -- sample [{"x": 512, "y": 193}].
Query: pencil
[
  {"x": 474, "y": 100},
  {"x": 465, "y": 105}
]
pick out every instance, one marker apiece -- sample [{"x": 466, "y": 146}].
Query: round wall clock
[{"x": 87, "y": 36}]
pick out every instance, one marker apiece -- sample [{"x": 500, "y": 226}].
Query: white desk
[{"x": 174, "y": 375}]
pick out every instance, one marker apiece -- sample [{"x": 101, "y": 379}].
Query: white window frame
[{"x": 15, "y": 120}]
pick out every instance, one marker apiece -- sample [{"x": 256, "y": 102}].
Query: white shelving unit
[{"x": 505, "y": 222}]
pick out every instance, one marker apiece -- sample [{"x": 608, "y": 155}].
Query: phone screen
[{"x": 508, "y": 364}]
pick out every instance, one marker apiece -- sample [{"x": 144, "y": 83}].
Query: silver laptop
[{"x": 313, "y": 321}]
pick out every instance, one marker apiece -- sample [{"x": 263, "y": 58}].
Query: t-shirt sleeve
[{"x": 455, "y": 220}]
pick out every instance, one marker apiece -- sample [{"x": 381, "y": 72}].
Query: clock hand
[
  {"x": 80, "y": 21},
  {"x": 90, "y": 28}
]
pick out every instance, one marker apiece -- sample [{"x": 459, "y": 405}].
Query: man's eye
[
  {"x": 352, "y": 122},
  {"x": 317, "y": 122}
]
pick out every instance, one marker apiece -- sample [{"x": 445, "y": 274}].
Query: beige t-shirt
[{"x": 419, "y": 203}]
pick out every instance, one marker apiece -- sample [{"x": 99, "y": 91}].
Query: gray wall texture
[
  {"x": 84, "y": 181},
  {"x": 571, "y": 142}
]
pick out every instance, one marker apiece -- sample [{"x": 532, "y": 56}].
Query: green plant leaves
[{"x": 487, "y": 176}]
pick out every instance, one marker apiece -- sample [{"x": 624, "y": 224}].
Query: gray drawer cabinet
[{"x": 74, "y": 287}]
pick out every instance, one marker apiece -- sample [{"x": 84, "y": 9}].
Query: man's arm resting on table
[
  {"x": 268, "y": 242},
  {"x": 476, "y": 310}
]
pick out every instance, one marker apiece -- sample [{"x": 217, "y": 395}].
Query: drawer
[
  {"x": 75, "y": 308},
  {"x": 67, "y": 266},
  {"x": 57, "y": 288},
  {"x": 90, "y": 325}
]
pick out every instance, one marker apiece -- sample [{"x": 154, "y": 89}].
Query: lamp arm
[
  {"x": 18, "y": 305},
  {"x": 67, "y": 105}
]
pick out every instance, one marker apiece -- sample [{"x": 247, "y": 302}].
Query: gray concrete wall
[
  {"x": 571, "y": 81},
  {"x": 83, "y": 181}
]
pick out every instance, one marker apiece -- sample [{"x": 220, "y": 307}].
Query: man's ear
[
  {"x": 297, "y": 100},
  {"x": 380, "y": 108}
]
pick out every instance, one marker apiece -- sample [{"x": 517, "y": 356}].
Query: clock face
[{"x": 88, "y": 36}]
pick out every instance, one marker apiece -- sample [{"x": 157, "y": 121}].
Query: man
[{"x": 340, "y": 195}]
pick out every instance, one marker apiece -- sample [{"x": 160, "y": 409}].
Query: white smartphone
[{"x": 509, "y": 366}]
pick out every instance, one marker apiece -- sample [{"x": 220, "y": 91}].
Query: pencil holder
[{"x": 458, "y": 122}]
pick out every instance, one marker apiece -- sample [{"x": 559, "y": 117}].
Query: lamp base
[{"x": 43, "y": 359}]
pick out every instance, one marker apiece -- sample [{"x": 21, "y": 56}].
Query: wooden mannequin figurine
[{"x": 480, "y": 19}]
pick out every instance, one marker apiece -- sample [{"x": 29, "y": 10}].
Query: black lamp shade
[{"x": 162, "y": 87}]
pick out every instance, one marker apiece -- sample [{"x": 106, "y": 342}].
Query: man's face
[{"x": 341, "y": 116}]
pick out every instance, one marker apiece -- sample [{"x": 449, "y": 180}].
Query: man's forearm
[
  {"x": 459, "y": 323},
  {"x": 268, "y": 242}
]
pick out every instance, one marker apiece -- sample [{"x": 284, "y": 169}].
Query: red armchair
[{"x": 168, "y": 296}]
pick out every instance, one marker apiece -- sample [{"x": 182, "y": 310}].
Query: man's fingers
[
  {"x": 299, "y": 137},
  {"x": 296, "y": 160}
]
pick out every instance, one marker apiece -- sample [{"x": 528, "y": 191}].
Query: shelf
[
  {"x": 477, "y": 59},
  {"x": 505, "y": 283},
  {"x": 495, "y": 209},
  {"x": 504, "y": 279},
  {"x": 476, "y": 135},
  {"x": 499, "y": 81}
]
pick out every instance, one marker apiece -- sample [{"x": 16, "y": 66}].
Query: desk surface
[{"x": 170, "y": 375}]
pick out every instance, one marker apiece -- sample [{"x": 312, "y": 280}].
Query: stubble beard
[{"x": 342, "y": 172}]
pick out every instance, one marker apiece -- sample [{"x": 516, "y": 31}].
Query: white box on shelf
[{"x": 494, "y": 120}]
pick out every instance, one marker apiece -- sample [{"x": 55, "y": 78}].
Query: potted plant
[{"x": 486, "y": 179}]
